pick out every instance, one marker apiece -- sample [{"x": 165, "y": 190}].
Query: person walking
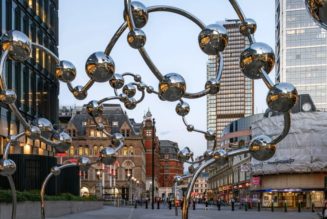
[{"x": 206, "y": 203}]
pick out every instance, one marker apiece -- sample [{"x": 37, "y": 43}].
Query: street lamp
[{"x": 153, "y": 147}]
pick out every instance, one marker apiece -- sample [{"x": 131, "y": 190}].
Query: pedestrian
[
  {"x": 218, "y": 204},
  {"x": 206, "y": 203}
]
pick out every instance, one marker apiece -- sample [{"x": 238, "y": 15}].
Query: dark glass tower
[{"x": 34, "y": 80}]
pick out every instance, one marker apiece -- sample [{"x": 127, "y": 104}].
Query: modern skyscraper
[
  {"x": 34, "y": 80},
  {"x": 301, "y": 51},
  {"x": 235, "y": 98}
]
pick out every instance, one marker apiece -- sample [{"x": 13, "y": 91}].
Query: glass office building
[
  {"x": 235, "y": 98},
  {"x": 301, "y": 51},
  {"x": 34, "y": 80}
]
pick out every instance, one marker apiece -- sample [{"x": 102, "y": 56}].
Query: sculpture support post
[
  {"x": 45, "y": 182},
  {"x": 14, "y": 197}
]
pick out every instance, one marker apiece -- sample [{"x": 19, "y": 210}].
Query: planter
[{"x": 31, "y": 210}]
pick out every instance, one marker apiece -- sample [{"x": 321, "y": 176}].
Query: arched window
[
  {"x": 87, "y": 150},
  {"x": 95, "y": 150},
  {"x": 71, "y": 151},
  {"x": 80, "y": 150},
  {"x": 131, "y": 150},
  {"x": 125, "y": 151}
]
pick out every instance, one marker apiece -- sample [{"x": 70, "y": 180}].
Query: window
[
  {"x": 95, "y": 150},
  {"x": 71, "y": 151},
  {"x": 80, "y": 150},
  {"x": 131, "y": 150},
  {"x": 128, "y": 173},
  {"x": 115, "y": 123},
  {"x": 125, "y": 151},
  {"x": 148, "y": 132},
  {"x": 87, "y": 151}
]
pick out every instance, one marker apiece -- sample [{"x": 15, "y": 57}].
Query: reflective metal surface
[
  {"x": 129, "y": 89},
  {"x": 94, "y": 109},
  {"x": 318, "y": 11},
  {"x": 136, "y": 38},
  {"x": 17, "y": 44},
  {"x": 213, "y": 39},
  {"x": 282, "y": 97},
  {"x": 182, "y": 108},
  {"x": 100, "y": 67},
  {"x": 255, "y": 57},
  {"x": 65, "y": 71},
  {"x": 172, "y": 87},
  {"x": 79, "y": 93},
  {"x": 43, "y": 124},
  {"x": 62, "y": 141},
  {"x": 139, "y": 13},
  {"x": 248, "y": 26},
  {"x": 185, "y": 154},
  {"x": 8, "y": 96},
  {"x": 7, "y": 167},
  {"x": 261, "y": 148},
  {"x": 108, "y": 156},
  {"x": 84, "y": 163},
  {"x": 116, "y": 81}
]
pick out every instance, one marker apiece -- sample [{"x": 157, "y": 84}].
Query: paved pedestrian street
[{"x": 109, "y": 212}]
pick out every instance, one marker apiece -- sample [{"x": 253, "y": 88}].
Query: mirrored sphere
[
  {"x": 136, "y": 38},
  {"x": 150, "y": 89},
  {"x": 182, "y": 109},
  {"x": 172, "y": 87},
  {"x": 44, "y": 124},
  {"x": 190, "y": 128},
  {"x": 130, "y": 103},
  {"x": 34, "y": 132},
  {"x": 129, "y": 89},
  {"x": 178, "y": 180},
  {"x": 208, "y": 154},
  {"x": 221, "y": 156},
  {"x": 318, "y": 11},
  {"x": 8, "y": 96},
  {"x": 17, "y": 44},
  {"x": 108, "y": 156},
  {"x": 94, "y": 109},
  {"x": 100, "y": 126},
  {"x": 55, "y": 171},
  {"x": 185, "y": 154},
  {"x": 100, "y": 67},
  {"x": 65, "y": 71},
  {"x": 137, "y": 78},
  {"x": 84, "y": 163},
  {"x": 7, "y": 167},
  {"x": 256, "y": 57},
  {"x": 62, "y": 141},
  {"x": 117, "y": 139},
  {"x": 213, "y": 39},
  {"x": 249, "y": 26},
  {"x": 191, "y": 169},
  {"x": 116, "y": 81},
  {"x": 282, "y": 97},
  {"x": 213, "y": 86},
  {"x": 210, "y": 135},
  {"x": 140, "y": 14},
  {"x": 261, "y": 149},
  {"x": 79, "y": 93}
]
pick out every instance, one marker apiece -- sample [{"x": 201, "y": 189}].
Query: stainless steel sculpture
[{"x": 256, "y": 62}]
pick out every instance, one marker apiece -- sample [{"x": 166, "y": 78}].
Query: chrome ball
[
  {"x": 141, "y": 86},
  {"x": 213, "y": 86},
  {"x": 7, "y": 167},
  {"x": 116, "y": 81},
  {"x": 100, "y": 67},
  {"x": 256, "y": 57},
  {"x": 261, "y": 148},
  {"x": 210, "y": 135},
  {"x": 182, "y": 109},
  {"x": 130, "y": 103},
  {"x": 94, "y": 109},
  {"x": 136, "y": 38},
  {"x": 34, "y": 132},
  {"x": 318, "y": 11},
  {"x": 117, "y": 139},
  {"x": 108, "y": 156},
  {"x": 79, "y": 93},
  {"x": 65, "y": 71},
  {"x": 62, "y": 141},
  {"x": 213, "y": 39},
  {"x": 123, "y": 97},
  {"x": 282, "y": 97},
  {"x": 150, "y": 89},
  {"x": 129, "y": 89},
  {"x": 139, "y": 13},
  {"x": 17, "y": 44},
  {"x": 178, "y": 180},
  {"x": 137, "y": 78},
  {"x": 8, "y": 96},
  {"x": 191, "y": 169},
  {"x": 100, "y": 126},
  {"x": 84, "y": 163},
  {"x": 249, "y": 26},
  {"x": 190, "y": 128},
  {"x": 220, "y": 156},
  {"x": 172, "y": 87},
  {"x": 55, "y": 171},
  {"x": 208, "y": 154},
  {"x": 185, "y": 154},
  {"x": 43, "y": 124}
]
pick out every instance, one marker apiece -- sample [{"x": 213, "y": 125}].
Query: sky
[{"x": 86, "y": 26}]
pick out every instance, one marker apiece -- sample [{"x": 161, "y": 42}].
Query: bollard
[
  {"x": 135, "y": 205},
  {"x": 313, "y": 207},
  {"x": 158, "y": 205},
  {"x": 285, "y": 207},
  {"x": 299, "y": 207},
  {"x": 219, "y": 205},
  {"x": 246, "y": 206},
  {"x": 169, "y": 203},
  {"x": 233, "y": 206},
  {"x": 272, "y": 206},
  {"x": 146, "y": 204},
  {"x": 259, "y": 206},
  {"x": 193, "y": 205},
  {"x": 182, "y": 204}
]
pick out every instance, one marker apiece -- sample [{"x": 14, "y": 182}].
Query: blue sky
[{"x": 86, "y": 26}]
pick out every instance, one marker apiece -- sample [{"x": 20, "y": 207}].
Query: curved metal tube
[
  {"x": 13, "y": 138},
  {"x": 191, "y": 185},
  {"x": 14, "y": 197},
  {"x": 88, "y": 85},
  {"x": 129, "y": 15},
  {"x": 142, "y": 97},
  {"x": 196, "y": 95},
  {"x": 70, "y": 87},
  {"x": 44, "y": 184},
  {"x": 221, "y": 67},
  {"x": 194, "y": 130},
  {"x": 108, "y": 99},
  {"x": 266, "y": 79},
  {"x": 103, "y": 130},
  {"x": 287, "y": 126},
  {"x": 115, "y": 38},
  {"x": 47, "y": 141},
  {"x": 20, "y": 117},
  {"x": 238, "y": 152},
  {"x": 150, "y": 64},
  {"x": 47, "y": 51}
]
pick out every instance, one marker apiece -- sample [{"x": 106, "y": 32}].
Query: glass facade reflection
[
  {"x": 301, "y": 51},
  {"x": 235, "y": 98},
  {"x": 34, "y": 80}
]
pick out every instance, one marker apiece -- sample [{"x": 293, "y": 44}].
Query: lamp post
[
  {"x": 98, "y": 173},
  {"x": 153, "y": 147}
]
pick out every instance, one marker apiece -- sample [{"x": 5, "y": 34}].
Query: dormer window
[{"x": 114, "y": 123}]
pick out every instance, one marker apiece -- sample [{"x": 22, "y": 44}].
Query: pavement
[{"x": 109, "y": 212}]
